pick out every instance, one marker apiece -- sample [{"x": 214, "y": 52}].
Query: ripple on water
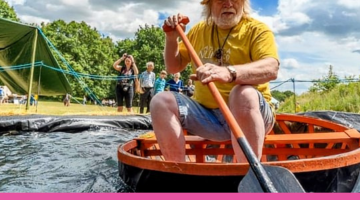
[{"x": 62, "y": 162}]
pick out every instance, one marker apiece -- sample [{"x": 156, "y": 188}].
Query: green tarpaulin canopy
[{"x": 24, "y": 45}]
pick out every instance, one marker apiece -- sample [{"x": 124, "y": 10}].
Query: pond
[{"x": 68, "y": 161}]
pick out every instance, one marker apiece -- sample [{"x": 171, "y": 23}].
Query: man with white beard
[{"x": 241, "y": 58}]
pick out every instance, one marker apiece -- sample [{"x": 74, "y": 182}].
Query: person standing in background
[
  {"x": 2, "y": 94},
  {"x": 66, "y": 99},
  {"x": 147, "y": 81},
  {"x": 160, "y": 83},
  {"x": 84, "y": 100},
  {"x": 125, "y": 84},
  {"x": 175, "y": 84},
  {"x": 189, "y": 88}
]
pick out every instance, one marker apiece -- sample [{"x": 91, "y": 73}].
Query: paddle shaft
[{"x": 254, "y": 163}]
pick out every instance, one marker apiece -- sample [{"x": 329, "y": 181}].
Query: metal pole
[
  {"x": 293, "y": 80},
  {"x": 38, "y": 92},
  {"x": 32, "y": 68}
]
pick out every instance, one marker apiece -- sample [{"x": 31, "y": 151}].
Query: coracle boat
[{"x": 324, "y": 157}]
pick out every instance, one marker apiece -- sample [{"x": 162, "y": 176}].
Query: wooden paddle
[{"x": 261, "y": 178}]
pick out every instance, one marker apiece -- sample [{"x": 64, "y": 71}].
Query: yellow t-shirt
[{"x": 249, "y": 41}]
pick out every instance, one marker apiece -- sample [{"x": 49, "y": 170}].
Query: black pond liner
[
  {"x": 151, "y": 181},
  {"x": 71, "y": 123}
]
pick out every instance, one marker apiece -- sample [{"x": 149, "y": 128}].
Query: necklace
[{"x": 219, "y": 53}]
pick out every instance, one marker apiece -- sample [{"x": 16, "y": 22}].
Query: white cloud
[
  {"x": 118, "y": 19},
  {"x": 74, "y": 3},
  {"x": 351, "y": 42},
  {"x": 292, "y": 11},
  {"x": 351, "y": 4},
  {"x": 268, "y": 20},
  {"x": 14, "y": 2},
  {"x": 34, "y": 19},
  {"x": 312, "y": 35},
  {"x": 290, "y": 63}
]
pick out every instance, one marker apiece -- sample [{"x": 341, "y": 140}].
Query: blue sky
[
  {"x": 311, "y": 34},
  {"x": 265, "y": 7}
]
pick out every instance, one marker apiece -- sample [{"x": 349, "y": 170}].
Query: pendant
[{"x": 218, "y": 54}]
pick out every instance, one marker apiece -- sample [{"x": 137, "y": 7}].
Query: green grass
[
  {"x": 344, "y": 98},
  {"x": 58, "y": 108}
]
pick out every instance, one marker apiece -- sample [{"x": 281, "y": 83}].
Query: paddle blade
[{"x": 284, "y": 181}]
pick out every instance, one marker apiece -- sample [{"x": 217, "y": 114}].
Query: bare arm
[
  {"x": 257, "y": 72},
  {"x": 172, "y": 57},
  {"x": 253, "y": 73},
  {"x": 117, "y": 63}
]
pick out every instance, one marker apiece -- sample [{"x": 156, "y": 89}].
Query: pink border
[{"x": 175, "y": 196}]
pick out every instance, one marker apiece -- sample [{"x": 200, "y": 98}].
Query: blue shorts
[{"x": 210, "y": 123}]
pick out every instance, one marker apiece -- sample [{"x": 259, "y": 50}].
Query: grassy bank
[
  {"x": 344, "y": 98},
  {"x": 58, "y": 108}
]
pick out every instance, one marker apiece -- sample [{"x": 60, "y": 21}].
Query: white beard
[{"x": 226, "y": 23}]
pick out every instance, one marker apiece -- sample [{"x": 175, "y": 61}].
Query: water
[{"x": 62, "y": 162}]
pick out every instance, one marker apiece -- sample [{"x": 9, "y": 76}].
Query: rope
[
  {"x": 118, "y": 78},
  {"x": 78, "y": 78}
]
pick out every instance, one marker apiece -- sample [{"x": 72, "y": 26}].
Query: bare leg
[
  {"x": 120, "y": 109},
  {"x": 244, "y": 104},
  {"x": 129, "y": 110},
  {"x": 167, "y": 127}
]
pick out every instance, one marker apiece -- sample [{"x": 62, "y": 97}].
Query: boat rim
[{"x": 217, "y": 169}]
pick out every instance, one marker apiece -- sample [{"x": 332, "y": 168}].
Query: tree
[
  {"x": 278, "y": 95},
  {"x": 85, "y": 51},
  {"x": 148, "y": 45},
  {"x": 8, "y": 12},
  {"x": 327, "y": 83},
  {"x": 288, "y": 93},
  {"x": 281, "y": 96}
]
